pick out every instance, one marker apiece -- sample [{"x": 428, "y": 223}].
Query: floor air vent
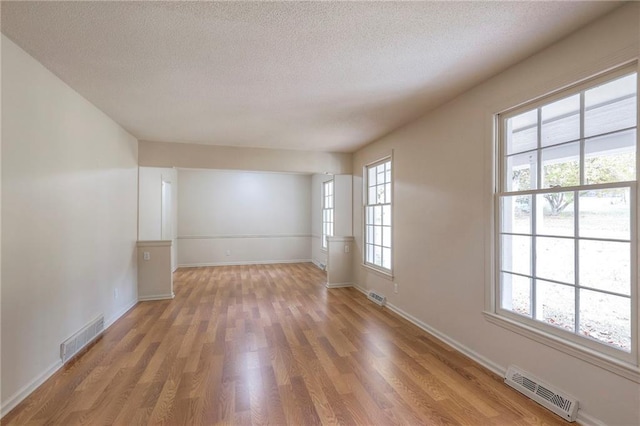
[
  {"x": 545, "y": 395},
  {"x": 376, "y": 297},
  {"x": 82, "y": 338}
]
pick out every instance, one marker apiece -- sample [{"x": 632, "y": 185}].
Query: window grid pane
[
  {"x": 327, "y": 212},
  {"x": 565, "y": 257},
  {"x": 378, "y": 235}
]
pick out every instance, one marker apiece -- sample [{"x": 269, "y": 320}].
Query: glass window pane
[
  {"x": 386, "y": 215},
  {"x": 370, "y": 234},
  {"x": 377, "y": 235},
  {"x": 369, "y": 215},
  {"x": 386, "y": 236},
  {"x": 605, "y": 265},
  {"x": 522, "y": 132},
  {"x": 516, "y": 294},
  {"x": 606, "y": 318},
  {"x": 555, "y": 214},
  {"x": 380, "y": 194},
  {"x": 516, "y": 254},
  {"x": 561, "y": 121},
  {"x": 516, "y": 214},
  {"x": 521, "y": 172},
  {"x": 555, "y": 304},
  {"x": 605, "y": 213},
  {"x": 377, "y": 255},
  {"x": 377, "y": 215},
  {"x": 387, "y": 193},
  {"x": 372, "y": 195},
  {"x": 611, "y": 158},
  {"x": 555, "y": 259},
  {"x": 611, "y": 106},
  {"x": 372, "y": 176},
  {"x": 386, "y": 258},
  {"x": 561, "y": 166},
  {"x": 370, "y": 254}
]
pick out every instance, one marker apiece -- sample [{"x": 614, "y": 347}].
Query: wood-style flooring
[{"x": 269, "y": 344}]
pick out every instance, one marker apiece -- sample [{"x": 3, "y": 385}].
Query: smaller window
[
  {"x": 327, "y": 212},
  {"x": 377, "y": 232}
]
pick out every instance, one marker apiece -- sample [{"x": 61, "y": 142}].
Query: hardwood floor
[{"x": 269, "y": 344}]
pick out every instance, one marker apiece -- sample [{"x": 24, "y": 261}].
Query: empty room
[{"x": 297, "y": 213}]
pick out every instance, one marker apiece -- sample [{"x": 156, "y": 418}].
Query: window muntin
[
  {"x": 566, "y": 206},
  {"x": 327, "y": 212},
  {"x": 377, "y": 232}
]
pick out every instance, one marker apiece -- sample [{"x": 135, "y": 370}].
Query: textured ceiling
[{"x": 329, "y": 76}]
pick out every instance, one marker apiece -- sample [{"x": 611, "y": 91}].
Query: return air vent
[
  {"x": 563, "y": 405},
  {"x": 82, "y": 338},
  {"x": 376, "y": 297}
]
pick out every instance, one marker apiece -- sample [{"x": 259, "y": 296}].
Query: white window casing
[
  {"x": 327, "y": 211},
  {"x": 378, "y": 236},
  {"x": 565, "y": 233}
]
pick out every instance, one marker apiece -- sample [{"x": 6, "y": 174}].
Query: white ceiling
[{"x": 328, "y": 76}]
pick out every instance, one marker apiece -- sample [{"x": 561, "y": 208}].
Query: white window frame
[
  {"x": 617, "y": 361},
  {"x": 328, "y": 212},
  {"x": 368, "y": 220}
]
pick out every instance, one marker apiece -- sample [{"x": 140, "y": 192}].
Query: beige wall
[
  {"x": 155, "y": 278},
  {"x": 69, "y": 192},
  {"x": 164, "y": 154},
  {"x": 442, "y": 216},
  {"x": 234, "y": 217}
]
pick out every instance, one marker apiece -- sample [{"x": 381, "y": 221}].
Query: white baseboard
[
  {"x": 319, "y": 265},
  {"x": 119, "y": 314},
  {"x": 157, "y": 297},
  {"x": 26, "y": 390},
  {"x": 584, "y": 419},
  {"x": 247, "y": 262},
  {"x": 497, "y": 369},
  {"x": 360, "y": 289},
  {"x": 338, "y": 285}
]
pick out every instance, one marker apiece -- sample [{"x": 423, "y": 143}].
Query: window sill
[
  {"x": 621, "y": 368},
  {"x": 380, "y": 272}
]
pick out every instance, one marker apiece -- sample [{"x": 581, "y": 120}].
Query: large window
[
  {"x": 566, "y": 235},
  {"x": 377, "y": 232},
  {"x": 327, "y": 212}
]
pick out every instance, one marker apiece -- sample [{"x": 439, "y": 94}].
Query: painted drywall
[
  {"x": 187, "y": 155},
  {"x": 233, "y": 217},
  {"x": 442, "y": 215},
  {"x": 155, "y": 278},
  {"x": 69, "y": 189},
  {"x": 1, "y": 399},
  {"x": 342, "y": 211},
  {"x": 150, "y": 206}
]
